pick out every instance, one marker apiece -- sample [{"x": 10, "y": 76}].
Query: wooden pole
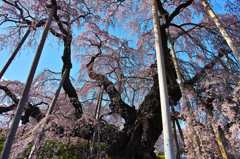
[
  {"x": 50, "y": 110},
  {"x": 181, "y": 85},
  {"x": 96, "y": 116},
  {"x": 182, "y": 88},
  {"x": 15, "y": 53},
  {"x": 189, "y": 110},
  {"x": 24, "y": 96},
  {"x": 166, "y": 120},
  {"x": 224, "y": 33},
  {"x": 175, "y": 141}
]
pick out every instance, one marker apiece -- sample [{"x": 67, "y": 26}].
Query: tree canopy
[{"x": 130, "y": 120}]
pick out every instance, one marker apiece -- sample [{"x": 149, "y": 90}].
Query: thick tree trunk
[
  {"x": 142, "y": 128},
  {"x": 67, "y": 85},
  {"x": 139, "y": 136}
]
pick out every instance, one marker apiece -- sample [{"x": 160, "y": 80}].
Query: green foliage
[
  {"x": 52, "y": 149},
  {"x": 26, "y": 153},
  {"x": 160, "y": 157},
  {"x": 2, "y": 139},
  {"x": 1, "y": 145}
]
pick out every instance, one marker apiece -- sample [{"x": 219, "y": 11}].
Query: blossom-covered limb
[
  {"x": 198, "y": 76},
  {"x": 30, "y": 110}
]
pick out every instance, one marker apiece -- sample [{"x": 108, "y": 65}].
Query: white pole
[
  {"x": 224, "y": 33},
  {"x": 17, "y": 117},
  {"x": 166, "y": 121}
]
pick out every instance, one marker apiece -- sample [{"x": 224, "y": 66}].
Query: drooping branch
[
  {"x": 24, "y": 20},
  {"x": 7, "y": 109},
  {"x": 196, "y": 41},
  {"x": 82, "y": 16},
  {"x": 163, "y": 12},
  {"x": 56, "y": 33},
  {"x": 60, "y": 24},
  {"x": 30, "y": 110},
  {"x": 9, "y": 93},
  {"x": 209, "y": 66},
  {"x": 117, "y": 105},
  {"x": 15, "y": 4},
  {"x": 177, "y": 11},
  {"x": 12, "y": 96}
]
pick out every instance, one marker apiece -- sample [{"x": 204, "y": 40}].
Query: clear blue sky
[
  {"x": 19, "y": 68},
  {"x": 50, "y": 59}
]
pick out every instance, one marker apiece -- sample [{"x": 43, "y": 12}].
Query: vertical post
[
  {"x": 224, "y": 33},
  {"x": 182, "y": 88},
  {"x": 50, "y": 110},
  {"x": 15, "y": 52},
  {"x": 175, "y": 141},
  {"x": 96, "y": 115},
  {"x": 17, "y": 117},
  {"x": 99, "y": 144},
  {"x": 166, "y": 121},
  {"x": 189, "y": 110},
  {"x": 218, "y": 137}
]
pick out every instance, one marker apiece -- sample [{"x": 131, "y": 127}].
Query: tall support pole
[
  {"x": 173, "y": 122},
  {"x": 218, "y": 136},
  {"x": 224, "y": 33},
  {"x": 166, "y": 121},
  {"x": 175, "y": 141},
  {"x": 50, "y": 110},
  {"x": 15, "y": 52},
  {"x": 182, "y": 88},
  {"x": 96, "y": 115},
  {"x": 17, "y": 117},
  {"x": 99, "y": 144},
  {"x": 189, "y": 108}
]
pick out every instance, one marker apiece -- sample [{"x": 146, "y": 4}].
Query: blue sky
[
  {"x": 50, "y": 59},
  {"x": 51, "y": 56},
  {"x": 19, "y": 68}
]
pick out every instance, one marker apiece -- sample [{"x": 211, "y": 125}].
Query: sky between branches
[{"x": 51, "y": 54}]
